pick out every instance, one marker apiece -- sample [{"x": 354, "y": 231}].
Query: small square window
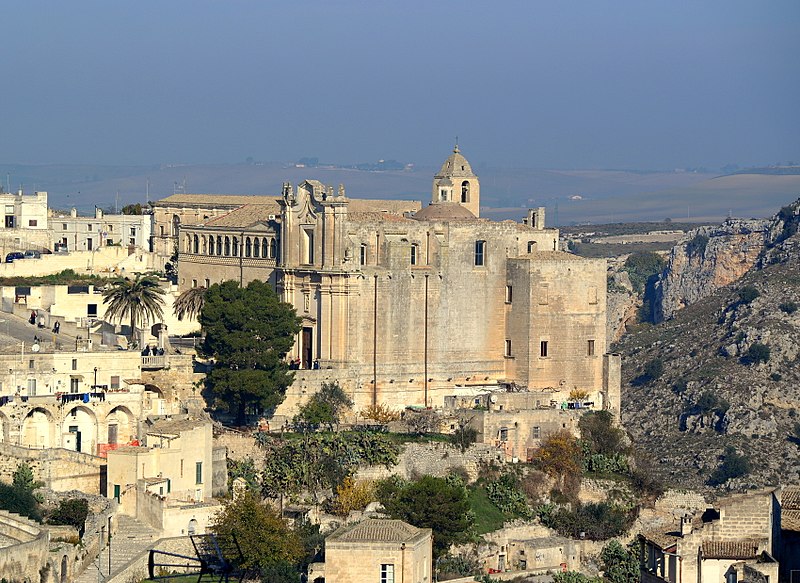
[
  {"x": 31, "y": 363},
  {"x": 90, "y": 227},
  {"x": 63, "y": 226},
  {"x": 74, "y": 364},
  {"x": 115, "y": 382},
  {"x": 32, "y": 222}
]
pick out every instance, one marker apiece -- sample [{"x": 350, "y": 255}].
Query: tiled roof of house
[
  {"x": 790, "y": 498},
  {"x": 790, "y": 520},
  {"x": 739, "y": 550},
  {"x": 664, "y": 538},
  {"x": 376, "y": 530},
  {"x": 247, "y": 215}
]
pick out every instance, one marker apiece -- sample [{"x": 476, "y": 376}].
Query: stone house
[
  {"x": 790, "y": 533},
  {"x": 168, "y": 481},
  {"x": 24, "y": 225},
  {"x": 736, "y": 540},
  {"x": 87, "y": 233},
  {"x": 376, "y": 549},
  {"x": 529, "y": 548},
  {"x": 404, "y": 305},
  {"x": 517, "y": 422}
]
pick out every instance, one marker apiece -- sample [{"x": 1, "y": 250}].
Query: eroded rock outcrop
[{"x": 707, "y": 259}]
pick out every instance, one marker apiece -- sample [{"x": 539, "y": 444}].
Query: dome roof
[
  {"x": 456, "y": 165},
  {"x": 444, "y": 211}
]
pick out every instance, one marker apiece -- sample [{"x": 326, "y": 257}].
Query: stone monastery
[{"x": 404, "y": 304}]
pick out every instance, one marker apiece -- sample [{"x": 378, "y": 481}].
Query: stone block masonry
[{"x": 59, "y": 469}]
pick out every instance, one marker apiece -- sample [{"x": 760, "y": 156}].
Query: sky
[{"x": 627, "y": 84}]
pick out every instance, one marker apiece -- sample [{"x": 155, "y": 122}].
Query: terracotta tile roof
[
  {"x": 790, "y": 520},
  {"x": 377, "y": 530},
  {"x": 748, "y": 549},
  {"x": 790, "y": 498},
  {"x": 663, "y": 538},
  {"x": 247, "y": 215}
]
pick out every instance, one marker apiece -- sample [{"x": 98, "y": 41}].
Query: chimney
[
  {"x": 98, "y": 212},
  {"x": 686, "y": 525}
]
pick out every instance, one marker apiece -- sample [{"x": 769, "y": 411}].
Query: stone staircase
[{"x": 131, "y": 538}]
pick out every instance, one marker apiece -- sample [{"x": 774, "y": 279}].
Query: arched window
[
  {"x": 248, "y": 247},
  {"x": 236, "y": 246},
  {"x": 196, "y": 246},
  {"x": 227, "y": 246},
  {"x": 211, "y": 245},
  {"x": 188, "y": 247},
  {"x": 256, "y": 247},
  {"x": 264, "y": 248},
  {"x": 205, "y": 244},
  {"x": 273, "y": 249},
  {"x": 465, "y": 191},
  {"x": 531, "y": 246},
  {"x": 219, "y": 244},
  {"x": 176, "y": 222}
]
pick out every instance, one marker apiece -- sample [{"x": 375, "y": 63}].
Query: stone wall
[
  {"x": 436, "y": 459},
  {"x": 28, "y": 553},
  {"x": 136, "y": 569},
  {"x": 682, "y": 500},
  {"x": 59, "y": 469},
  {"x": 240, "y": 446}
]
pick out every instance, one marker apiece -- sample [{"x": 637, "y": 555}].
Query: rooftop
[
  {"x": 740, "y": 550},
  {"x": 377, "y": 530}
]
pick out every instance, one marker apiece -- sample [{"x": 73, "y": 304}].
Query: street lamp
[{"x": 95, "y": 379}]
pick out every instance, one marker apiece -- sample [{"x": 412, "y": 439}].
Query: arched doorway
[
  {"x": 119, "y": 426},
  {"x": 80, "y": 430},
  {"x": 38, "y": 429}
]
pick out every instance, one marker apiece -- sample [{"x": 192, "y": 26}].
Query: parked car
[
  {"x": 32, "y": 254},
  {"x": 14, "y": 256}
]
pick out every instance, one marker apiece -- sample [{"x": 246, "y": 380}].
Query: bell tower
[{"x": 456, "y": 182}]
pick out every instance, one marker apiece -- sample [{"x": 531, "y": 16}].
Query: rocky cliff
[
  {"x": 707, "y": 259},
  {"x": 712, "y": 257},
  {"x": 729, "y": 371}
]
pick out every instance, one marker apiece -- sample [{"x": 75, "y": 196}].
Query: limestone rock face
[
  {"x": 622, "y": 305},
  {"x": 707, "y": 259}
]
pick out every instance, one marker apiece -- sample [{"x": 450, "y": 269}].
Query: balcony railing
[{"x": 154, "y": 362}]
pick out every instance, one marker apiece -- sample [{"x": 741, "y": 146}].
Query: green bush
[
  {"x": 72, "y": 512},
  {"x": 641, "y": 266},
  {"x": 733, "y": 466},
  {"x": 747, "y": 294},
  {"x": 757, "y": 353},
  {"x": 788, "y": 307},
  {"x": 507, "y": 495},
  {"x": 597, "y": 521}
]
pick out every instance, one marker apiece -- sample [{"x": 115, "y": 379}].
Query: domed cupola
[{"x": 456, "y": 182}]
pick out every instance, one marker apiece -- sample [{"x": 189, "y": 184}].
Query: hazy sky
[{"x": 600, "y": 84}]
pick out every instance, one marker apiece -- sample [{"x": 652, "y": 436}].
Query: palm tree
[
  {"x": 139, "y": 298},
  {"x": 190, "y": 303}
]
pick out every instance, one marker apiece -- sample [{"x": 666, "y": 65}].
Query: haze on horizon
[{"x": 626, "y": 84}]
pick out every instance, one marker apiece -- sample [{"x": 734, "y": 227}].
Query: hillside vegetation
[{"x": 713, "y": 394}]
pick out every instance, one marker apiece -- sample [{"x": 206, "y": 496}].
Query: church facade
[{"x": 404, "y": 304}]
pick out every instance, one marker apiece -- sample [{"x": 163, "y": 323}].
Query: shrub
[
  {"x": 641, "y": 266},
  {"x": 788, "y": 307},
  {"x": 352, "y": 495},
  {"x": 597, "y": 521},
  {"x": 599, "y": 434},
  {"x": 72, "y": 512},
  {"x": 747, "y": 294},
  {"x": 757, "y": 353},
  {"x": 653, "y": 370},
  {"x": 733, "y": 465},
  {"x": 506, "y": 494}
]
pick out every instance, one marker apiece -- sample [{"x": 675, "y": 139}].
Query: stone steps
[{"x": 130, "y": 539}]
